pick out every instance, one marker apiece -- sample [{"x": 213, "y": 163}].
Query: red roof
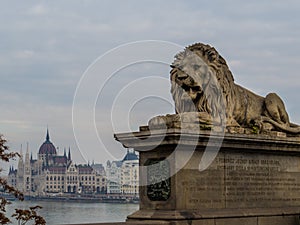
[
  {"x": 60, "y": 159},
  {"x": 57, "y": 169},
  {"x": 85, "y": 169}
]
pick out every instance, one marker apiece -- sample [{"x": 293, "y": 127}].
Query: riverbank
[
  {"x": 96, "y": 199},
  {"x": 120, "y": 199},
  {"x": 61, "y": 212}
]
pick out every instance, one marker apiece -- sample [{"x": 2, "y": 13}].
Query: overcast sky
[{"x": 46, "y": 46}]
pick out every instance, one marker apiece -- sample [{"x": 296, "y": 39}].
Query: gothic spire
[
  {"x": 21, "y": 151},
  {"x": 20, "y": 163},
  {"x": 27, "y": 153},
  {"x": 47, "y": 135},
  {"x": 69, "y": 155}
]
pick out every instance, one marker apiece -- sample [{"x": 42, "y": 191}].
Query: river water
[{"x": 72, "y": 213}]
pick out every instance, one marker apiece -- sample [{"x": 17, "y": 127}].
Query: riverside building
[
  {"x": 53, "y": 174},
  {"x": 123, "y": 175}
]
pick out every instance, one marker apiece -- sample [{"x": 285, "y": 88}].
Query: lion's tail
[{"x": 291, "y": 128}]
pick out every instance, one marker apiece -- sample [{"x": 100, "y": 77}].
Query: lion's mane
[{"x": 216, "y": 95}]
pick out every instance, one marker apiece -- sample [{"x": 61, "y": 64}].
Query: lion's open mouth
[
  {"x": 188, "y": 84},
  {"x": 193, "y": 92},
  {"x": 190, "y": 97}
]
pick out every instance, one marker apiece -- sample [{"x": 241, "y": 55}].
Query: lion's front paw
[
  {"x": 157, "y": 122},
  {"x": 196, "y": 117}
]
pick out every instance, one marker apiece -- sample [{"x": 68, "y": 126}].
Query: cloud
[
  {"x": 46, "y": 47},
  {"x": 38, "y": 10},
  {"x": 24, "y": 54}
]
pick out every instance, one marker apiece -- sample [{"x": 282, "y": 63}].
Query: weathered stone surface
[
  {"x": 194, "y": 222},
  {"x": 279, "y": 220},
  {"x": 254, "y": 179},
  {"x": 241, "y": 180},
  {"x": 237, "y": 221},
  {"x": 234, "y": 180},
  {"x": 205, "y": 96}
]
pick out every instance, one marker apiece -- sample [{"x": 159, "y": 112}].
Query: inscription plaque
[
  {"x": 243, "y": 180},
  {"x": 158, "y": 178}
]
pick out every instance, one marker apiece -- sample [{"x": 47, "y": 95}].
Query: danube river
[{"x": 71, "y": 212}]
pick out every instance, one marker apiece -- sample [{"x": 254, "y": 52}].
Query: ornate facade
[
  {"x": 123, "y": 176},
  {"x": 55, "y": 174}
]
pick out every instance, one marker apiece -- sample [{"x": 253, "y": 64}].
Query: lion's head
[{"x": 201, "y": 81}]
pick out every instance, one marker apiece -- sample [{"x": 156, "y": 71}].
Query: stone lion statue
[{"x": 204, "y": 93}]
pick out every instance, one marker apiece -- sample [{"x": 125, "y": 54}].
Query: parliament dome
[{"x": 47, "y": 148}]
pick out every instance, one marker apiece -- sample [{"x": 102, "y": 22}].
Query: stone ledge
[
  {"x": 147, "y": 141},
  {"x": 213, "y": 213}
]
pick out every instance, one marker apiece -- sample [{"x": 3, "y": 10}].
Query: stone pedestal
[{"x": 254, "y": 179}]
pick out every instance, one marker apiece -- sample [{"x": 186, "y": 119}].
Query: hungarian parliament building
[{"x": 53, "y": 175}]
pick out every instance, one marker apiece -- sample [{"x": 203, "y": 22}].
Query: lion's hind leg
[{"x": 276, "y": 109}]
